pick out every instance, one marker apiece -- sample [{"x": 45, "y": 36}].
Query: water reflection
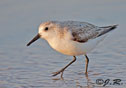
[{"x": 89, "y": 83}]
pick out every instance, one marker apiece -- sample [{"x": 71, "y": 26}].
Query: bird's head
[{"x": 46, "y": 31}]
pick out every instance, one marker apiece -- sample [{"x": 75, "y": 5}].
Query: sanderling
[{"x": 72, "y": 38}]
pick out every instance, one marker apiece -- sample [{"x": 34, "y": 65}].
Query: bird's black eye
[{"x": 46, "y": 29}]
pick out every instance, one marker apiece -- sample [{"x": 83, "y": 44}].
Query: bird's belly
[{"x": 73, "y": 48}]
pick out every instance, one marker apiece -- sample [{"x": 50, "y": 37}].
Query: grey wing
[
  {"x": 90, "y": 32},
  {"x": 84, "y": 36}
]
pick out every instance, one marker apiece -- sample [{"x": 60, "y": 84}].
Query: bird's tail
[{"x": 104, "y": 30}]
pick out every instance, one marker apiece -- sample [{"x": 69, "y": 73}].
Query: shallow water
[{"x": 32, "y": 67}]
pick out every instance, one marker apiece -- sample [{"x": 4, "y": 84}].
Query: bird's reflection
[
  {"x": 88, "y": 84},
  {"x": 55, "y": 79}
]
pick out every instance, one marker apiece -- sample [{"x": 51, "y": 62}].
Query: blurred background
[{"x": 31, "y": 67}]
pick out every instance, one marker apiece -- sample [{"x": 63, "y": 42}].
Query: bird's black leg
[
  {"x": 86, "y": 64},
  {"x": 62, "y": 70}
]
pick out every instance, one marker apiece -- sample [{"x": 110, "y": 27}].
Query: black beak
[{"x": 34, "y": 39}]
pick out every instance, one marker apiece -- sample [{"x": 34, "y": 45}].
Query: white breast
[{"x": 73, "y": 48}]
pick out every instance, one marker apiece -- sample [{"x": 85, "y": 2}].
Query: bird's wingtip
[
  {"x": 28, "y": 44},
  {"x": 115, "y": 25}
]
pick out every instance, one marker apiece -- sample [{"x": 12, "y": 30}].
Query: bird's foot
[
  {"x": 86, "y": 73},
  {"x": 58, "y": 72}
]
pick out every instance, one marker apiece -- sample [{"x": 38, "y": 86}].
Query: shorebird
[{"x": 72, "y": 38}]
